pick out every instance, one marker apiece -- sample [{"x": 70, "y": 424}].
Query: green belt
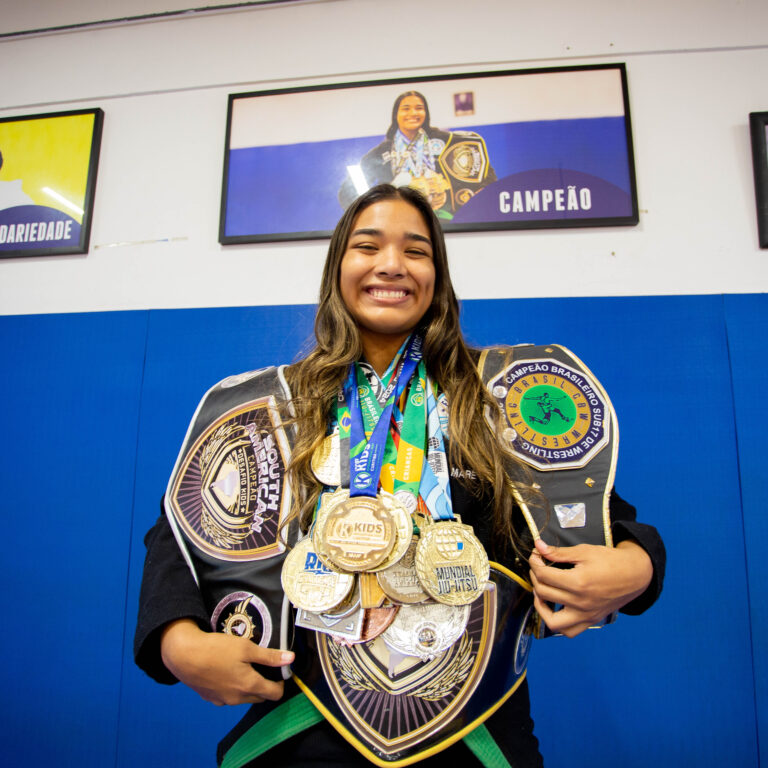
[{"x": 298, "y": 713}]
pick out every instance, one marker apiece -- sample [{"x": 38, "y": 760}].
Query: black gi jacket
[{"x": 169, "y": 592}]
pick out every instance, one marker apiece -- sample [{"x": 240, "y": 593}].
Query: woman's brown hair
[{"x": 315, "y": 380}]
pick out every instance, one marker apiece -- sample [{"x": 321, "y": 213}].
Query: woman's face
[
  {"x": 411, "y": 115},
  {"x": 387, "y": 275}
]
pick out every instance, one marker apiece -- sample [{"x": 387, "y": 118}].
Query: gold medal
[
  {"x": 355, "y": 533},
  {"x": 371, "y": 593},
  {"x": 326, "y": 461},
  {"x": 451, "y": 563},
  {"x": 403, "y": 528},
  {"x": 427, "y": 629},
  {"x": 309, "y": 584},
  {"x": 400, "y": 581},
  {"x": 327, "y": 502}
]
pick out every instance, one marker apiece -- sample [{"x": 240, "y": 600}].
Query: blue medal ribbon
[{"x": 366, "y": 456}]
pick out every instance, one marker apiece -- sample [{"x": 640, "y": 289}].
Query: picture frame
[
  {"x": 48, "y": 169},
  {"x": 758, "y": 129},
  {"x": 514, "y": 149}
]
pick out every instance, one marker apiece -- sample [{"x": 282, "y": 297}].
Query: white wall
[{"x": 695, "y": 71}]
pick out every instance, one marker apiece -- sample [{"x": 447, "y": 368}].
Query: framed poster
[
  {"x": 495, "y": 150},
  {"x": 48, "y": 169},
  {"x": 758, "y": 126}
]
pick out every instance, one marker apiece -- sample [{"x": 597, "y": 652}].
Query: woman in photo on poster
[
  {"x": 414, "y": 570},
  {"x": 447, "y": 167}
]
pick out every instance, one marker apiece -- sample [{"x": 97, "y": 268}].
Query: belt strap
[
  {"x": 298, "y": 713},
  {"x": 291, "y": 717},
  {"x": 485, "y": 749}
]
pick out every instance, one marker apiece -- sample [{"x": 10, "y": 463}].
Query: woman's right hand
[{"x": 218, "y": 666}]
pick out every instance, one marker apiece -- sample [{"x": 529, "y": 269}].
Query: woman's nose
[{"x": 391, "y": 262}]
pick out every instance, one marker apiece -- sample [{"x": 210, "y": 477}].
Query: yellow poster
[{"x": 47, "y": 177}]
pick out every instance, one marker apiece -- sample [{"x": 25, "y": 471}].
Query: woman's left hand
[{"x": 602, "y": 580}]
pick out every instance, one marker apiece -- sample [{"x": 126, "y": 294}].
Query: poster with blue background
[
  {"x": 497, "y": 150},
  {"x": 48, "y": 167}
]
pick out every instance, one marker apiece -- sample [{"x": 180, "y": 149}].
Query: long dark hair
[
  {"x": 315, "y": 381},
  {"x": 392, "y": 130}
]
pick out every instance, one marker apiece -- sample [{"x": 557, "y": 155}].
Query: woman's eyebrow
[
  {"x": 373, "y": 232},
  {"x": 416, "y": 236},
  {"x": 367, "y": 231}
]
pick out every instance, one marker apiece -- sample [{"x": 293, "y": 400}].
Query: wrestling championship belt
[
  {"x": 465, "y": 165},
  {"x": 561, "y": 423}
]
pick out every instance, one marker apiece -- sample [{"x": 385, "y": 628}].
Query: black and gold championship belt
[
  {"x": 437, "y": 672},
  {"x": 561, "y": 423},
  {"x": 465, "y": 165},
  {"x": 227, "y": 498}
]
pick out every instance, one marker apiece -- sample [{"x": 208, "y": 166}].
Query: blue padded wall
[
  {"x": 70, "y": 395},
  {"x": 95, "y": 406}
]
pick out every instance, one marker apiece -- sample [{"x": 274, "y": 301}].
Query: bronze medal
[
  {"x": 427, "y": 629},
  {"x": 400, "y": 581},
  {"x": 309, "y": 584},
  {"x": 375, "y": 622},
  {"x": 451, "y": 563}
]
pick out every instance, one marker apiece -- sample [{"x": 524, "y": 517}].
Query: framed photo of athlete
[
  {"x": 48, "y": 167},
  {"x": 517, "y": 149},
  {"x": 758, "y": 126}
]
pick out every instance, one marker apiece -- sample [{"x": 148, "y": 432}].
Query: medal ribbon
[
  {"x": 435, "y": 487},
  {"x": 366, "y": 452},
  {"x": 404, "y": 451}
]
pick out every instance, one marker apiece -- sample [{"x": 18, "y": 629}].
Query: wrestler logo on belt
[{"x": 557, "y": 417}]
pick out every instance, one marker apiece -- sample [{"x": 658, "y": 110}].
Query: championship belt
[
  {"x": 464, "y": 163},
  {"x": 431, "y": 700},
  {"x": 560, "y": 422},
  {"x": 227, "y": 498},
  {"x": 439, "y": 669}
]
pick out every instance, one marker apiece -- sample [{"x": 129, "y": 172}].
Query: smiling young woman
[{"x": 387, "y": 322}]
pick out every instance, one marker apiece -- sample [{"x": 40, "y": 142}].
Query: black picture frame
[
  {"x": 555, "y": 129},
  {"x": 48, "y": 169},
  {"x": 758, "y": 129}
]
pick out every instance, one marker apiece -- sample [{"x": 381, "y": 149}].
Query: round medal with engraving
[
  {"x": 400, "y": 581},
  {"x": 309, "y": 583},
  {"x": 326, "y": 461},
  {"x": 427, "y": 629},
  {"x": 401, "y": 517},
  {"x": 451, "y": 563},
  {"x": 355, "y": 533}
]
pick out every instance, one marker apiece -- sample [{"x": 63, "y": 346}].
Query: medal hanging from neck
[
  {"x": 364, "y": 529},
  {"x": 451, "y": 563}
]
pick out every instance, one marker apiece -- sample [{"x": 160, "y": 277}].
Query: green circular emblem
[
  {"x": 547, "y": 410},
  {"x": 417, "y": 398}
]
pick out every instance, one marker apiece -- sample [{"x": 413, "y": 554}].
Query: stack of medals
[{"x": 363, "y": 571}]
